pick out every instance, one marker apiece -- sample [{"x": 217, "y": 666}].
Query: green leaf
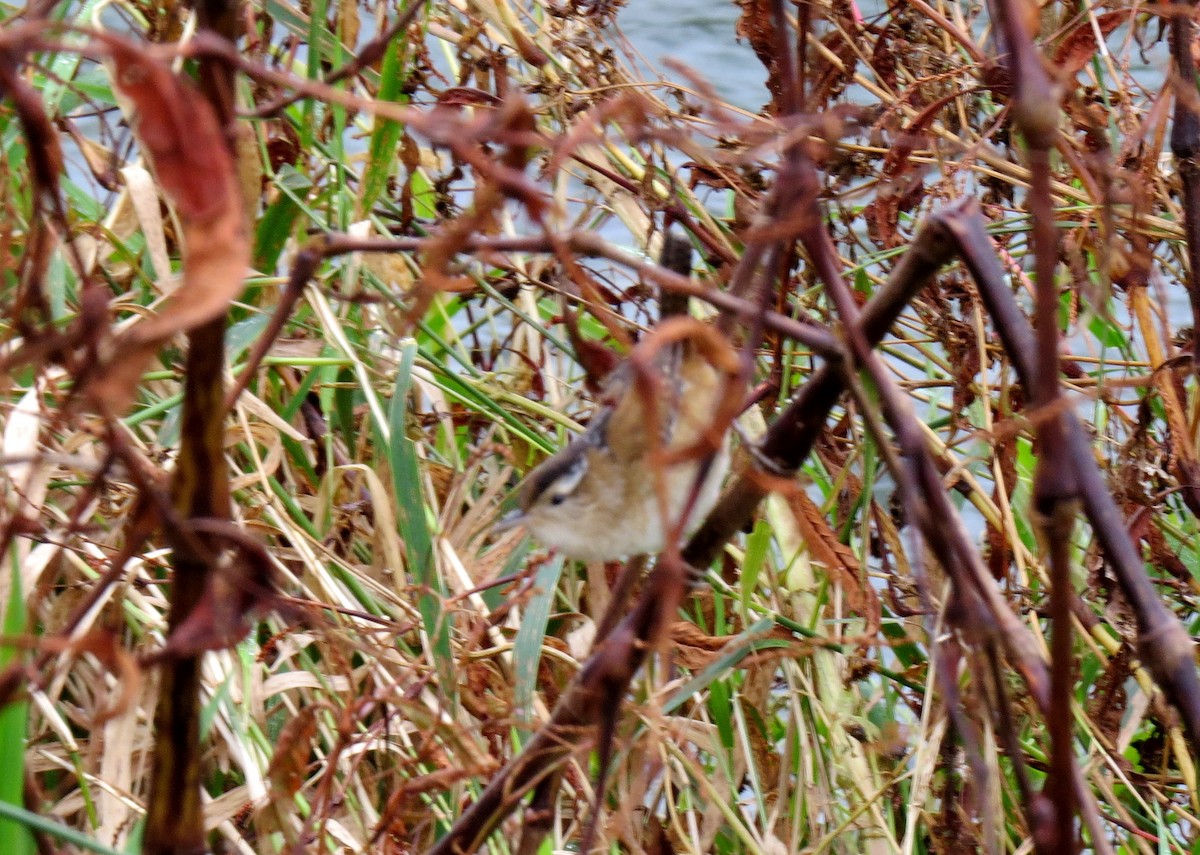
[
  {"x": 344, "y": 401},
  {"x": 241, "y": 335},
  {"x": 273, "y": 231},
  {"x": 756, "y": 554},
  {"x": 721, "y": 710},
  {"x": 381, "y": 155},
  {"x": 527, "y": 649},
  {"x": 1107, "y": 333},
  {"x": 414, "y": 526},
  {"x": 11, "y": 814},
  {"x": 15, "y": 836}
]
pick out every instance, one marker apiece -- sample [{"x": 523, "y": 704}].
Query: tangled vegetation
[{"x": 296, "y": 293}]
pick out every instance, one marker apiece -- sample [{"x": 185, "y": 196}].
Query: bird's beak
[{"x": 509, "y": 521}]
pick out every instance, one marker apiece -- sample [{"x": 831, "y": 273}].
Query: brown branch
[
  {"x": 791, "y": 436},
  {"x": 820, "y": 340},
  {"x": 1164, "y": 646},
  {"x": 1185, "y": 146},
  {"x": 327, "y": 246},
  {"x": 199, "y": 489},
  {"x": 1035, "y": 114}
]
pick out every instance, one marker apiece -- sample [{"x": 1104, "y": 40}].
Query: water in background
[{"x": 701, "y": 35}]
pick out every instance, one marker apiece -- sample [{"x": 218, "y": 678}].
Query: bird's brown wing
[{"x": 630, "y": 413}]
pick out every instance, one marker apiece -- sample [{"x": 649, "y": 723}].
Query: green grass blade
[
  {"x": 10, "y": 814},
  {"x": 527, "y": 649},
  {"x": 414, "y": 525},
  {"x": 15, "y": 835}
]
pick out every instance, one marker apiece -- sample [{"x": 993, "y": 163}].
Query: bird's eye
[{"x": 558, "y": 499}]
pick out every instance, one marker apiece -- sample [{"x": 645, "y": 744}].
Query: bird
[{"x": 597, "y": 499}]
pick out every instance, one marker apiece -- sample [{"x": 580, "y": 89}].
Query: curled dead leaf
[
  {"x": 184, "y": 142},
  {"x": 1079, "y": 45},
  {"x": 844, "y": 568},
  {"x": 289, "y": 763},
  {"x": 242, "y": 585}
]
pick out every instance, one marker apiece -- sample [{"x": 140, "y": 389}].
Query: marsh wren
[{"x": 597, "y": 499}]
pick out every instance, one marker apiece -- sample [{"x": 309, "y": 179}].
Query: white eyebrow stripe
[{"x": 569, "y": 480}]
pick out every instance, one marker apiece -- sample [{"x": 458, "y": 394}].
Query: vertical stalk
[
  {"x": 1185, "y": 146},
  {"x": 200, "y": 489},
  {"x": 174, "y": 813},
  {"x": 1056, "y": 492}
]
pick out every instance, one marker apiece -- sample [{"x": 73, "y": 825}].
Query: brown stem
[
  {"x": 791, "y": 436},
  {"x": 1035, "y": 115},
  {"x": 199, "y": 489},
  {"x": 1185, "y": 146},
  {"x": 811, "y": 335},
  {"x": 1164, "y": 646}
]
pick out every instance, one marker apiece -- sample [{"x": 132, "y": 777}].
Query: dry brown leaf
[
  {"x": 249, "y": 169},
  {"x": 1079, "y": 45},
  {"x": 693, "y": 648},
  {"x": 183, "y": 140},
  {"x": 756, "y": 689},
  {"x": 836, "y": 557},
  {"x": 289, "y": 763},
  {"x": 241, "y": 586},
  {"x": 106, "y": 647}
]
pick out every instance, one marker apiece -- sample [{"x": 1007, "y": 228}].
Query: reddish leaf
[
  {"x": 242, "y": 585},
  {"x": 844, "y": 568},
  {"x": 289, "y": 763},
  {"x": 597, "y": 360},
  {"x": 1079, "y": 45},
  {"x": 182, "y": 138}
]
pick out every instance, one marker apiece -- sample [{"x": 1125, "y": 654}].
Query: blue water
[{"x": 701, "y": 34}]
